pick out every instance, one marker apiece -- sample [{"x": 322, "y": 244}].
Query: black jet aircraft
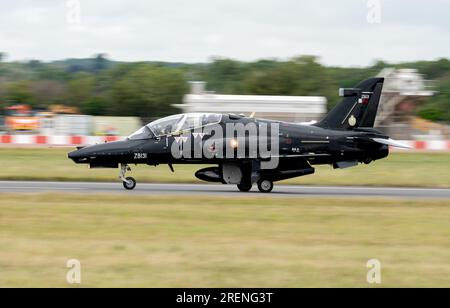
[{"x": 343, "y": 139}]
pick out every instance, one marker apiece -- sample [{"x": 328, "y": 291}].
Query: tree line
[{"x": 99, "y": 86}]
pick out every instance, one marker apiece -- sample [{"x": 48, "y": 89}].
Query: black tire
[
  {"x": 265, "y": 186},
  {"x": 245, "y": 187},
  {"x": 368, "y": 161},
  {"x": 130, "y": 184}
]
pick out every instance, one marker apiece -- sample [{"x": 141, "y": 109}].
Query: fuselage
[{"x": 311, "y": 144}]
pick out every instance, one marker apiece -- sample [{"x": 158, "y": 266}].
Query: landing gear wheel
[
  {"x": 245, "y": 187},
  {"x": 368, "y": 161},
  {"x": 265, "y": 186},
  {"x": 129, "y": 184}
]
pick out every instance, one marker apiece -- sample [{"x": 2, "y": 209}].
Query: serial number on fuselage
[{"x": 140, "y": 156}]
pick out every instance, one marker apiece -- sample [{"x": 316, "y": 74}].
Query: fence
[{"x": 50, "y": 141}]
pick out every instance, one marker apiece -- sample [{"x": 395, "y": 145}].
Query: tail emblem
[{"x": 365, "y": 99}]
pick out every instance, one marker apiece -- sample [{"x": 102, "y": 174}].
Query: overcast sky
[{"x": 344, "y": 32}]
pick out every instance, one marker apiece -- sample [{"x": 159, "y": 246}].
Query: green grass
[
  {"x": 222, "y": 242},
  {"x": 410, "y": 170}
]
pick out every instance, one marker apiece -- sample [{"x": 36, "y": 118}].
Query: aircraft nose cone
[
  {"x": 85, "y": 155},
  {"x": 77, "y": 155},
  {"x": 74, "y": 154}
]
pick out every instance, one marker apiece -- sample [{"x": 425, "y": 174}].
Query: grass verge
[
  {"x": 222, "y": 242},
  {"x": 400, "y": 169}
]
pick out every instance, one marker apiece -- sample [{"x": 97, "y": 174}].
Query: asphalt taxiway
[{"x": 220, "y": 190}]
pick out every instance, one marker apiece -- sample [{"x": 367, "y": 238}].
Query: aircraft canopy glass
[{"x": 175, "y": 124}]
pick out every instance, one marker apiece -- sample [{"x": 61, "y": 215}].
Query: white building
[{"x": 284, "y": 108}]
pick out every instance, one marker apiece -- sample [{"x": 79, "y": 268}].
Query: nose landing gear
[{"x": 129, "y": 183}]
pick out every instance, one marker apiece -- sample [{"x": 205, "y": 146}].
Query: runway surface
[{"x": 220, "y": 190}]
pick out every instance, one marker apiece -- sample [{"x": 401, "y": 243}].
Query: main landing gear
[
  {"x": 129, "y": 183},
  {"x": 264, "y": 186},
  {"x": 245, "y": 187}
]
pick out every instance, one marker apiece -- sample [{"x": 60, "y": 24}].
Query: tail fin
[{"x": 358, "y": 108}]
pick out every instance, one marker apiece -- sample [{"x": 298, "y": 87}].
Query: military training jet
[{"x": 246, "y": 151}]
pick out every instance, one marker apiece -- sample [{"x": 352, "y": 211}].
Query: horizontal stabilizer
[{"x": 392, "y": 143}]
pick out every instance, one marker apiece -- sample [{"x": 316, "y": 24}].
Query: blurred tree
[
  {"x": 148, "y": 91},
  {"x": 302, "y": 76},
  {"x": 50, "y": 72},
  {"x": 34, "y": 64},
  {"x": 74, "y": 68},
  {"x": 312, "y": 78},
  {"x": 2, "y": 56},
  {"x": 47, "y": 92},
  {"x": 380, "y": 64},
  {"x": 19, "y": 92},
  {"x": 2, "y": 95},
  {"x": 438, "y": 107},
  {"x": 431, "y": 69},
  {"x": 224, "y": 75},
  {"x": 95, "y": 106},
  {"x": 280, "y": 80},
  {"x": 100, "y": 62},
  {"x": 80, "y": 89},
  {"x": 430, "y": 112},
  {"x": 100, "y": 86}
]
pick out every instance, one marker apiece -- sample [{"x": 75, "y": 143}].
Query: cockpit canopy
[{"x": 176, "y": 123}]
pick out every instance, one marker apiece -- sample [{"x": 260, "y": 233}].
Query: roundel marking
[{"x": 352, "y": 121}]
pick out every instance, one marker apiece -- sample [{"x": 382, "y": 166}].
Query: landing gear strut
[{"x": 129, "y": 183}]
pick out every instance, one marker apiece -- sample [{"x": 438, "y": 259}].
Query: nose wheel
[{"x": 129, "y": 183}]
